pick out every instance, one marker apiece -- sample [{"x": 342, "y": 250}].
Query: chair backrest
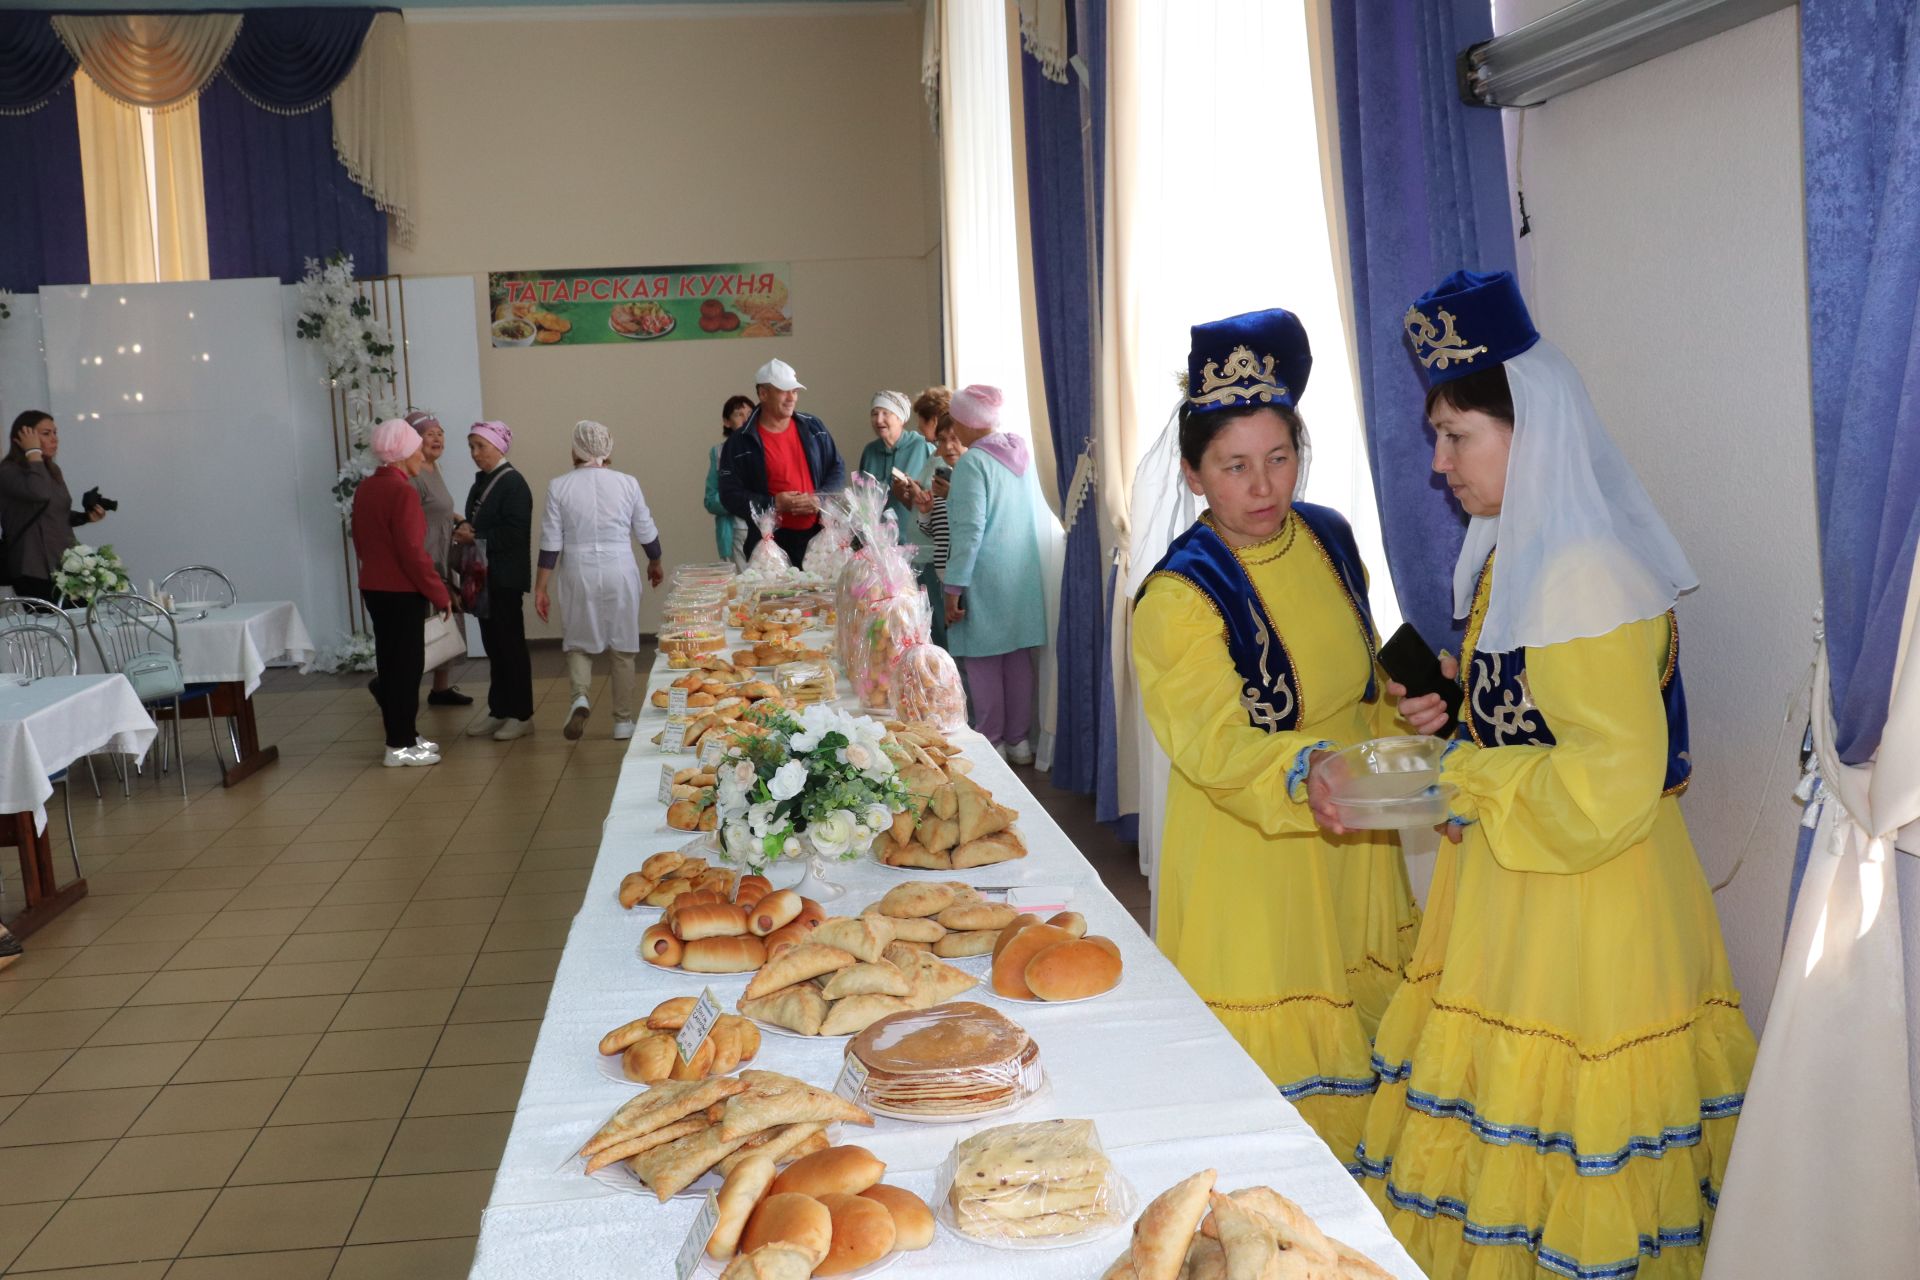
[
  {"x": 136, "y": 637},
  {"x": 199, "y": 584},
  {"x": 27, "y": 611},
  {"x": 37, "y": 650}
]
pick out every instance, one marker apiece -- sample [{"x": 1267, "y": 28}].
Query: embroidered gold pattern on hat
[
  {"x": 1447, "y": 346},
  {"x": 1243, "y": 377}
]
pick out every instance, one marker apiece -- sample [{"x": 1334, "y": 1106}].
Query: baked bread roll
[
  {"x": 912, "y": 1220},
  {"x": 710, "y": 920},
  {"x": 1164, "y": 1231},
  {"x": 684, "y": 815},
  {"x": 790, "y": 1219},
  {"x": 723, "y": 955},
  {"x": 787, "y": 935},
  {"x": 862, "y": 1233},
  {"x": 845, "y": 1169},
  {"x": 651, "y": 1060},
  {"x": 916, "y": 855},
  {"x": 855, "y": 1013},
  {"x": 744, "y": 1187},
  {"x": 810, "y": 959},
  {"x": 751, "y": 890},
  {"x": 773, "y": 911},
  {"x": 1072, "y": 971},
  {"x": 634, "y": 887},
  {"x": 1010, "y": 965},
  {"x": 616, "y": 1040},
  {"x": 917, "y": 899},
  {"x": 1024, "y": 920},
  {"x": 1072, "y": 921},
  {"x": 667, "y": 890},
  {"x": 770, "y": 1262},
  {"x": 881, "y": 978},
  {"x": 661, "y": 865},
  {"x": 671, "y": 1015},
  {"x": 919, "y": 929},
  {"x": 659, "y": 946},
  {"x": 698, "y": 1067},
  {"x": 972, "y": 942}
]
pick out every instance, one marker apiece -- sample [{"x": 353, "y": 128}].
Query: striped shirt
[{"x": 934, "y": 525}]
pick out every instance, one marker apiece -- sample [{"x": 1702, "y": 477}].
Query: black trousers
[
  {"x": 504, "y": 633},
  {"x": 400, "y": 657},
  {"x": 36, "y": 589}
]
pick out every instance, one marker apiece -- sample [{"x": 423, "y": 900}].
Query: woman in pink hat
[
  {"x": 995, "y": 608},
  {"x": 398, "y": 584}
]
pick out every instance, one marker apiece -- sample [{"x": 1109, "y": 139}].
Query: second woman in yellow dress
[{"x": 1254, "y": 647}]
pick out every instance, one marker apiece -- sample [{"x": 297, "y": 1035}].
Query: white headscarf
[
  {"x": 895, "y": 403},
  {"x": 592, "y": 442},
  {"x": 1583, "y": 550}
]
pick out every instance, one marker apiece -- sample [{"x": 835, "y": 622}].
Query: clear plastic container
[
  {"x": 1388, "y": 783},
  {"x": 1041, "y": 1185},
  {"x": 688, "y": 641}
]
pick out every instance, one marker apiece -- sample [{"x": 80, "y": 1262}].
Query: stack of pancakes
[{"x": 957, "y": 1059}]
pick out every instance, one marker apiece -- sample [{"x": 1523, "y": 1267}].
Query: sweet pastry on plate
[{"x": 955, "y": 1059}]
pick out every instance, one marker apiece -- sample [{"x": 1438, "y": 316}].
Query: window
[{"x": 146, "y": 202}]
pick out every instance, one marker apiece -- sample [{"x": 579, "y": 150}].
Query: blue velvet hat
[
  {"x": 1468, "y": 322},
  {"x": 1260, "y": 358}
]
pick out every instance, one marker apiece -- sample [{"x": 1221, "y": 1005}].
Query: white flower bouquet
[
  {"x": 355, "y": 653},
  {"x": 821, "y": 785},
  {"x": 86, "y": 572}
]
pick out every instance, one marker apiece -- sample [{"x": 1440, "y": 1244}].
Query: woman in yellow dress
[
  {"x": 1563, "y": 1068},
  {"x": 1255, "y": 649}
]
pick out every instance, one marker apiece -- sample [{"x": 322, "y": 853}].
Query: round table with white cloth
[{"x": 49, "y": 724}]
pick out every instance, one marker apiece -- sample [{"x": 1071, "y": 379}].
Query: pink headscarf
[
  {"x": 497, "y": 434},
  {"x": 394, "y": 440},
  {"x": 977, "y": 406},
  {"x": 423, "y": 418}
]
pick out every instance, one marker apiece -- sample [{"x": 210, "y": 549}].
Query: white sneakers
[
  {"x": 577, "y": 719},
  {"x": 622, "y": 730},
  {"x": 511, "y": 729},
  {"x": 484, "y": 727},
  {"x": 1020, "y": 752},
  {"x": 410, "y": 757},
  {"x": 424, "y": 745}
]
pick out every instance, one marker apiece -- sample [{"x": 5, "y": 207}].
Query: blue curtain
[
  {"x": 1860, "y": 86},
  {"x": 1059, "y": 223},
  {"x": 43, "y": 233},
  {"x": 34, "y": 64},
  {"x": 1426, "y": 193},
  {"x": 277, "y": 194},
  {"x": 293, "y": 59}
]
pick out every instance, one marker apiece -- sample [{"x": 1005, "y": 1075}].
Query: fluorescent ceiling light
[{"x": 1590, "y": 40}]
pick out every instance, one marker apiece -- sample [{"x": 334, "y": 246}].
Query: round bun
[
  {"x": 1073, "y": 971},
  {"x": 862, "y": 1233},
  {"x": 847, "y": 1170},
  {"x": 912, "y": 1220},
  {"x": 786, "y": 1218}
]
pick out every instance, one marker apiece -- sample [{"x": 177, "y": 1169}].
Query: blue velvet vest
[
  {"x": 1499, "y": 710},
  {"x": 1269, "y": 686}
]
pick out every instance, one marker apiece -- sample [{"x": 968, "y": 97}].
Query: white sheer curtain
[
  {"x": 1216, "y": 206},
  {"x": 984, "y": 327}
]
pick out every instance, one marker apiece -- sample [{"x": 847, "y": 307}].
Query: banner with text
[{"x": 640, "y": 304}]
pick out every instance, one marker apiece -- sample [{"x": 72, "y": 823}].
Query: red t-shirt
[{"x": 787, "y": 471}]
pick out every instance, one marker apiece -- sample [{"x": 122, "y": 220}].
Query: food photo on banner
[{"x": 574, "y": 307}]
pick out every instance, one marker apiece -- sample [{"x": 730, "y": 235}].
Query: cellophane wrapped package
[{"x": 926, "y": 686}]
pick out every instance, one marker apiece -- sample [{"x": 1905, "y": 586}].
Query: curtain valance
[
  {"x": 34, "y": 65},
  {"x": 153, "y": 60},
  {"x": 292, "y": 60}
]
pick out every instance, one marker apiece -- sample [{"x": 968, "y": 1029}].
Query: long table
[{"x": 1169, "y": 1090}]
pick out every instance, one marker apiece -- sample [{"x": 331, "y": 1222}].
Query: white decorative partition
[{"x": 197, "y": 407}]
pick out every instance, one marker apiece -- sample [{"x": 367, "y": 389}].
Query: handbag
[
  {"x": 444, "y": 642},
  {"x": 472, "y": 569}
]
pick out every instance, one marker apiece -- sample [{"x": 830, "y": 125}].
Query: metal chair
[
  {"x": 25, "y": 611},
  {"x": 199, "y": 584},
  {"x": 140, "y": 640},
  {"x": 37, "y": 652}
]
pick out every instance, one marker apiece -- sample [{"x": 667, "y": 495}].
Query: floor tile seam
[{"x": 393, "y": 1137}]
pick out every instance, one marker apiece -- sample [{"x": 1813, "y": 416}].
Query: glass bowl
[{"x": 1387, "y": 784}]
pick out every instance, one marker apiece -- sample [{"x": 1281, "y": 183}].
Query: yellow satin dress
[
  {"x": 1295, "y": 939},
  {"x": 1563, "y": 1068}
]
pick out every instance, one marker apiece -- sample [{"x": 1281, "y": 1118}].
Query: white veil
[{"x": 1583, "y": 550}]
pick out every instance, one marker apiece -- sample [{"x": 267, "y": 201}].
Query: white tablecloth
[
  {"x": 236, "y": 643},
  {"x": 1170, "y": 1091},
  {"x": 49, "y": 724}
]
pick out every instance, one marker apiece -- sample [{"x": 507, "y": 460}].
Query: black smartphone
[{"x": 1408, "y": 659}]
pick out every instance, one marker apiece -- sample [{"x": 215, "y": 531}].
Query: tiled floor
[{"x": 284, "y": 1033}]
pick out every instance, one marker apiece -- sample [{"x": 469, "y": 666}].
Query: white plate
[
  {"x": 618, "y": 1177},
  {"x": 609, "y": 1066},
  {"x": 1125, "y": 1203},
  {"x": 741, "y": 976},
  {"x": 1044, "y": 1003},
  {"x": 789, "y": 1033},
  {"x": 708, "y": 1267}
]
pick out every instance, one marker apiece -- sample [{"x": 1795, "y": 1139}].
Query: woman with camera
[{"x": 37, "y": 518}]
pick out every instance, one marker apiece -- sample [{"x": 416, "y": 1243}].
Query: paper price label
[
  {"x": 666, "y": 783},
  {"x": 853, "y": 1079},
  {"x": 696, "y": 1242},
  {"x": 674, "y": 737},
  {"x": 698, "y": 1026},
  {"x": 676, "y": 701},
  {"x": 712, "y": 752}
]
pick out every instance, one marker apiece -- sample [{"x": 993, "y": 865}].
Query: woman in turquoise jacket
[
  {"x": 995, "y": 606},
  {"x": 729, "y": 534}
]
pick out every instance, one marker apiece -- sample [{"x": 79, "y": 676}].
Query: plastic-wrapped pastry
[
  {"x": 957, "y": 1059},
  {"x": 767, "y": 560},
  {"x": 926, "y": 687},
  {"x": 1024, "y": 1182}
]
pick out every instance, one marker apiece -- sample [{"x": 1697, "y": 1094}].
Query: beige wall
[
  {"x": 1668, "y": 260},
  {"x": 595, "y": 140}
]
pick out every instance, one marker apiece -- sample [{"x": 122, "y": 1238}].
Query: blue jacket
[
  {"x": 722, "y": 522},
  {"x": 743, "y": 466}
]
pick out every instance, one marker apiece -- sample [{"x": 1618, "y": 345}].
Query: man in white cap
[{"x": 783, "y": 459}]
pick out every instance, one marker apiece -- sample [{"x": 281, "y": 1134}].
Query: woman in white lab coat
[{"x": 594, "y": 516}]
